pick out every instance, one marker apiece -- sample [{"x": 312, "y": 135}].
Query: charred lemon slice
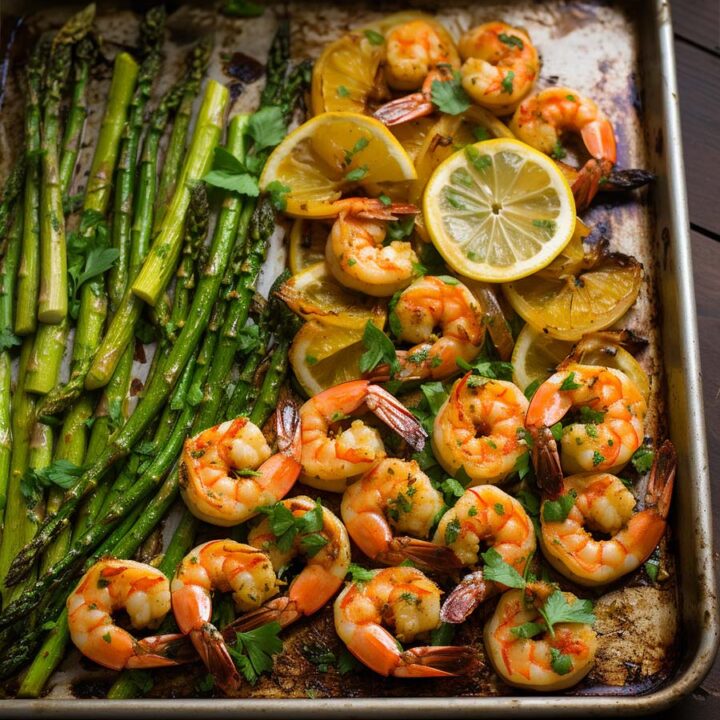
[
  {"x": 569, "y": 306},
  {"x": 307, "y": 244},
  {"x": 536, "y": 356},
  {"x": 314, "y": 294},
  {"x": 498, "y": 210},
  {"x": 324, "y": 355},
  {"x": 330, "y": 155}
]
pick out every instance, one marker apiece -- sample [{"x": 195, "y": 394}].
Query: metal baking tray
[{"x": 656, "y": 644}]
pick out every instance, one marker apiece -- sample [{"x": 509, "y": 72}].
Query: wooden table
[{"x": 697, "y": 48}]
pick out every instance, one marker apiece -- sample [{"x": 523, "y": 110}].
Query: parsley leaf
[
  {"x": 359, "y": 574},
  {"x": 493, "y": 369},
  {"x": 452, "y": 530},
  {"x": 642, "y": 459},
  {"x": 253, "y": 650},
  {"x": 347, "y": 663},
  {"x": 498, "y": 570},
  {"x": 511, "y": 40},
  {"x": 531, "y": 389},
  {"x": 378, "y": 349},
  {"x": 243, "y": 8},
  {"x": 61, "y": 473},
  {"x": 569, "y": 383},
  {"x": 443, "y": 634},
  {"x": 360, "y": 145},
  {"x": 528, "y": 630},
  {"x": 435, "y": 394},
  {"x": 267, "y": 127},
  {"x": 357, "y": 174},
  {"x": 8, "y": 339},
  {"x": 278, "y": 192},
  {"x": 560, "y": 663},
  {"x": 590, "y": 416},
  {"x": 449, "y": 96},
  {"x": 320, "y": 656},
  {"x": 522, "y": 465},
  {"x": 401, "y": 229},
  {"x": 558, "y": 510},
  {"x": 229, "y": 173},
  {"x": 558, "y": 152},
  {"x": 558, "y": 610},
  {"x": 374, "y": 37},
  {"x": 507, "y": 83}
]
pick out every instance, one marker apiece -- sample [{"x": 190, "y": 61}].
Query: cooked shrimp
[
  {"x": 478, "y": 428},
  {"x": 223, "y": 566},
  {"x": 541, "y": 120},
  {"x": 444, "y": 321},
  {"x": 415, "y": 48},
  {"x": 528, "y": 662},
  {"x": 228, "y": 471},
  {"x": 396, "y": 496},
  {"x": 357, "y": 254},
  {"x": 323, "y": 543},
  {"x": 483, "y": 517},
  {"x": 405, "y": 600},
  {"x": 611, "y": 413},
  {"x": 111, "y": 585},
  {"x": 330, "y": 456},
  {"x": 500, "y": 67},
  {"x": 603, "y": 504}
]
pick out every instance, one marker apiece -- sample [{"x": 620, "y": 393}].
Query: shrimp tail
[
  {"x": 213, "y": 651},
  {"x": 662, "y": 479},
  {"x": 546, "y": 461},
  {"x": 605, "y": 342},
  {"x": 466, "y": 597},
  {"x": 372, "y": 209},
  {"x": 394, "y": 414},
  {"x": 161, "y": 651},
  {"x": 422, "y": 553},
  {"x": 436, "y": 661},
  {"x": 281, "y": 610},
  {"x": 287, "y": 424},
  {"x": 588, "y": 182},
  {"x": 404, "y": 109}
]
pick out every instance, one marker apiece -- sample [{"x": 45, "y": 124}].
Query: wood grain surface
[{"x": 697, "y": 48}]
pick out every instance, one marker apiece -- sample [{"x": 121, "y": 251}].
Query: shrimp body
[
  {"x": 228, "y": 470},
  {"x": 111, "y": 585},
  {"x": 543, "y": 118},
  {"x": 528, "y": 662},
  {"x": 500, "y": 66},
  {"x": 444, "y": 321},
  {"x": 485, "y": 516},
  {"x": 223, "y": 566},
  {"x": 477, "y": 428},
  {"x": 603, "y": 504},
  {"x": 332, "y": 455},
  {"x": 612, "y": 418},
  {"x": 415, "y": 48},
  {"x": 326, "y": 555},
  {"x": 396, "y": 496},
  {"x": 408, "y": 602},
  {"x": 356, "y": 252}
]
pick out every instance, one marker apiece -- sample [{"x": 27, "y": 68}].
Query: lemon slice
[
  {"x": 567, "y": 307},
  {"x": 334, "y": 154},
  {"x": 314, "y": 294},
  {"x": 307, "y": 244},
  {"x": 324, "y": 355},
  {"x": 536, "y": 356},
  {"x": 499, "y": 210},
  {"x": 348, "y": 75}
]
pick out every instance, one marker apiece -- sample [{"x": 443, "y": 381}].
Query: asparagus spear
[
  {"x": 93, "y": 303},
  {"x": 151, "y": 38},
  {"x": 8, "y": 277},
  {"x": 197, "y": 65},
  {"x": 162, "y": 383},
  {"x": 53, "y": 297},
  {"x": 162, "y": 258},
  {"x": 85, "y": 52},
  {"x": 11, "y": 192},
  {"x": 29, "y": 272},
  {"x": 205, "y": 137},
  {"x": 46, "y": 357}
]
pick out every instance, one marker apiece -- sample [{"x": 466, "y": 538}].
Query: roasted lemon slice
[
  {"x": 324, "y": 355},
  {"x": 314, "y": 294},
  {"x": 334, "y": 154},
  {"x": 536, "y": 356},
  {"x": 307, "y": 244},
  {"x": 569, "y": 306},
  {"x": 498, "y": 210}
]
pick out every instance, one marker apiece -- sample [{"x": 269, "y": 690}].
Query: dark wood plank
[
  {"x": 699, "y": 88},
  {"x": 697, "y": 21}
]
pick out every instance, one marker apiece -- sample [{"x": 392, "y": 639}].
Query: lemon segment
[
  {"x": 322, "y": 355},
  {"x": 536, "y": 356},
  {"x": 331, "y": 155},
  {"x": 314, "y": 294},
  {"x": 498, "y": 210}
]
